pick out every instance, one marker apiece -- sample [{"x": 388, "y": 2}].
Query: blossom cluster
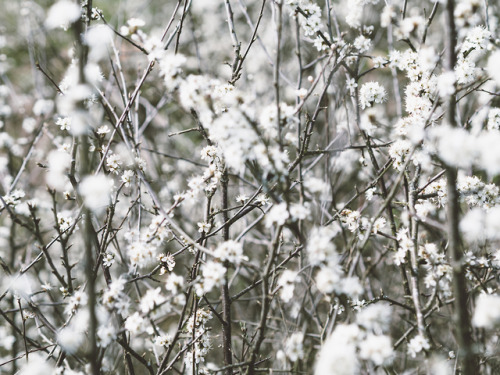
[{"x": 206, "y": 187}]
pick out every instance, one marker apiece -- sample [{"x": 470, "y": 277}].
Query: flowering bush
[{"x": 249, "y": 186}]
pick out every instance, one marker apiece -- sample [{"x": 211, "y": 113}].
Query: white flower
[
  {"x": 494, "y": 118},
  {"x": 102, "y": 130},
  {"x": 446, "y": 84},
  {"x": 475, "y": 43},
  {"x": 127, "y": 177},
  {"x": 108, "y": 259},
  {"x": 70, "y": 339},
  {"x": 94, "y": 75},
  {"x": 362, "y": 44},
  {"x": 351, "y": 218},
  {"x": 424, "y": 209},
  {"x": 376, "y": 348},
  {"x": 135, "y": 323},
  {"x": 487, "y": 312},
  {"x": 299, "y": 211},
  {"x": 163, "y": 340},
  {"x": 465, "y": 71},
  {"x": 262, "y": 199},
  {"x": 417, "y": 344},
  {"x": 320, "y": 247},
  {"x": 278, "y": 214},
  {"x": 151, "y": 300},
  {"x": 281, "y": 357},
  {"x": 204, "y": 227},
  {"x": 65, "y": 220},
  {"x": 141, "y": 253},
  {"x": 59, "y": 162},
  {"x": 46, "y": 287},
  {"x": 230, "y": 251},
  {"x": 212, "y": 276},
  {"x": 350, "y": 286},
  {"x": 379, "y": 224},
  {"x": 375, "y": 317},
  {"x": 209, "y": 153},
  {"x": 409, "y": 25},
  {"x": 171, "y": 69},
  {"x": 174, "y": 283},
  {"x": 492, "y": 67},
  {"x": 63, "y": 14},
  {"x": 442, "y": 366},
  {"x": 320, "y": 44},
  {"x": 64, "y": 123},
  {"x": 36, "y": 364},
  {"x": 328, "y": 279},
  {"x": 242, "y": 198},
  {"x": 98, "y": 38},
  {"x": 428, "y": 58},
  {"x": 371, "y": 93},
  {"x": 398, "y": 152},
  {"x": 133, "y": 24},
  {"x": 113, "y": 162},
  {"x": 351, "y": 85},
  {"x": 312, "y": 23},
  {"x": 317, "y": 185},
  {"x": 29, "y": 124},
  {"x": 338, "y": 353},
  {"x": 167, "y": 260},
  {"x": 354, "y": 13},
  {"x": 430, "y": 253},
  {"x": 286, "y": 284},
  {"x": 14, "y": 198},
  {"x": 369, "y": 193},
  {"x": 395, "y": 58},
  {"x": 96, "y": 191},
  {"x": 301, "y": 93},
  {"x": 105, "y": 335},
  {"x": 74, "y": 95},
  {"x": 294, "y": 346},
  {"x": 79, "y": 298}
]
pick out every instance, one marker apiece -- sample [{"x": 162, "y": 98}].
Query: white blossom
[
  {"x": 36, "y": 364},
  {"x": 338, "y": 353},
  {"x": 64, "y": 123},
  {"x": 135, "y": 323},
  {"x": 163, "y": 340},
  {"x": 106, "y": 334},
  {"x": 141, "y": 253},
  {"x": 62, "y": 14},
  {"x": 286, "y": 283},
  {"x": 492, "y": 67},
  {"x": 328, "y": 279},
  {"x": 278, "y": 214},
  {"x": 212, "y": 276},
  {"x": 375, "y": 317},
  {"x": 417, "y": 344},
  {"x": 113, "y": 162},
  {"x": 487, "y": 312},
  {"x": 371, "y": 93},
  {"x": 126, "y": 177},
  {"x": 59, "y": 163},
  {"x": 70, "y": 339},
  {"x": 98, "y": 38},
  {"x": 96, "y": 191},
  {"x": 230, "y": 251},
  {"x": 151, "y": 300},
  {"x": 294, "y": 346},
  {"x": 376, "y": 348},
  {"x": 320, "y": 247}
]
